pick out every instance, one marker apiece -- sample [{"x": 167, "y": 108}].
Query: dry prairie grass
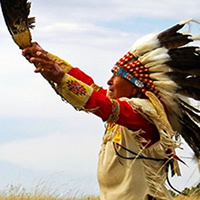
[
  {"x": 30, "y": 197},
  {"x": 43, "y": 197},
  {"x": 24, "y": 197},
  {"x": 18, "y": 193}
]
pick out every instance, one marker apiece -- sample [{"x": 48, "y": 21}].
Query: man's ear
[{"x": 136, "y": 92}]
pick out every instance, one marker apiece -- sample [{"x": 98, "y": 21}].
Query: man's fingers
[
  {"x": 32, "y": 50},
  {"x": 37, "y": 70},
  {"x": 42, "y": 55},
  {"x": 42, "y": 64},
  {"x": 37, "y": 60}
]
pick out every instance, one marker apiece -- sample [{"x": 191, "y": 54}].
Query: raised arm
[{"x": 81, "y": 92}]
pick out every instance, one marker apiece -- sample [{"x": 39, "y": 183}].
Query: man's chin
[{"x": 109, "y": 94}]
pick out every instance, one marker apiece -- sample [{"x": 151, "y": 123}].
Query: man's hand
[{"x": 39, "y": 57}]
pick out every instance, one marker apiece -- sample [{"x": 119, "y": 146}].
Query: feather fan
[{"x": 16, "y": 14}]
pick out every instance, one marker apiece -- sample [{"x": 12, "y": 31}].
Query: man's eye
[{"x": 115, "y": 74}]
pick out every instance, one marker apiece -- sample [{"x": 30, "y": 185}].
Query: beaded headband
[{"x": 125, "y": 74}]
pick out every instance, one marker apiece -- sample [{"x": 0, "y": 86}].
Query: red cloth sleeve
[
  {"x": 80, "y": 75},
  {"x": 127, "y": 117},
  {"x": 103, "y": 104}
]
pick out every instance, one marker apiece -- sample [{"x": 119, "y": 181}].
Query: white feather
[
  {"x": 160, "y": 68},
  {"x": 194, "y": 37},
  {"x": 159, "y": 54},
  {"x": 145, "y": 44},
  {"x": 159, "y": 76},
  {"x": 166, "y": 85},
  {"x": 187, "y": 21}
]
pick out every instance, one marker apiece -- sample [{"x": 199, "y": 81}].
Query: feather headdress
[{"x": 168, "y": 66}]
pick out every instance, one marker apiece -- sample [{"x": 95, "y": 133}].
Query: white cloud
[
  {"x": 105, "y": 11},
  {"x": 55, "y": 152},
  {"x": 166, "y": 9}
]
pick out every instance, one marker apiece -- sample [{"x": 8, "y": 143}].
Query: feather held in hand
[{"x": 16, "y": 14}]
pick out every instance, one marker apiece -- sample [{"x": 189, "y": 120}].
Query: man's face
[{"x": 119, "y": 87}]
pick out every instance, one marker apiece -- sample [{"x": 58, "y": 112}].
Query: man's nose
[{"x": 110, "y": 81}]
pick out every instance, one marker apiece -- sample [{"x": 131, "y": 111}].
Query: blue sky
[{"x": 44, "y": 142}]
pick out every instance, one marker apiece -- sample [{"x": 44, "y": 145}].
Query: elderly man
[
  {"x": 141, "y": 108},
  {"x": 123, "y": 173}
]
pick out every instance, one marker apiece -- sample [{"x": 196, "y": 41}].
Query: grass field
[
  {"x": 46, "y": 197},
  {"x": 21, "y": 197},
  {"x": 19, "y": 193},
  {"x": 43, "y": 198},
  {"x": 25, "y": 197},
  {"x": 15, "y": 193},
  {"x": 38, "y": 197}
]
